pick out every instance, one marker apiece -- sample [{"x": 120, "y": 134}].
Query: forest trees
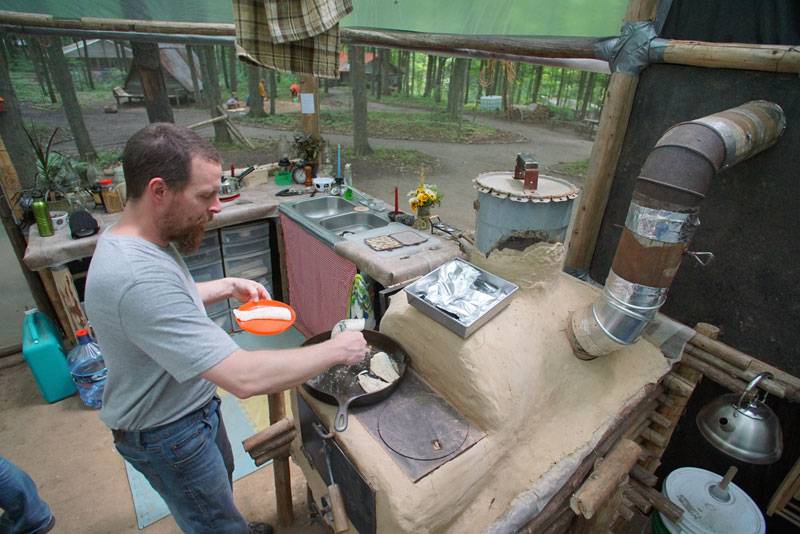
[{"x": 359, "y": 85}]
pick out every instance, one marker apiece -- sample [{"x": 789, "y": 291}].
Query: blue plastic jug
[
  {"x": 42, "y": 350},
  {"x": 88, "y": 370}
]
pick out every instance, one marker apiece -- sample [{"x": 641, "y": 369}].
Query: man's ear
[{"x": 157, "y": 189}]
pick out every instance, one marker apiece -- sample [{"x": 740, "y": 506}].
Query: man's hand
[
  {"x": 350, "y": 346},
  {"x": 246, "y": 290}
]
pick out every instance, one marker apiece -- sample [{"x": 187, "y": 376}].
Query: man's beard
[{"x": 188, "y": 236}]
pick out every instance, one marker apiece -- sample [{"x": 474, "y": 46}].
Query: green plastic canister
[{"x": 41, "y": 348}]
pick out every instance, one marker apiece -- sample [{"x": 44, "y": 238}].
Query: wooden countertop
[{"x": 255, "y": 202}]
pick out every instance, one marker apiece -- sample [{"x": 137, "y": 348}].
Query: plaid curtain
[{"x": 298, "y": 36}]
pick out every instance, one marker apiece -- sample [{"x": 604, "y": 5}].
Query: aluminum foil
[{"x": 458, "y": 290}]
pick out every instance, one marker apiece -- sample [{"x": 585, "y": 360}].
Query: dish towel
[
  {"x": 359, "y": 306},
  {"x": 298, "y": 36}
]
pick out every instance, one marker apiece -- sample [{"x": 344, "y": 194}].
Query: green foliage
[
  {"x": 561, "y": 113},
  {"x": 574, "y": 168},
  {"x": 394, "y": 125}
]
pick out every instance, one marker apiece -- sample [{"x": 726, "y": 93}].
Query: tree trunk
[
  {"x": 63, "y": 81},
  {"x": 581, "y": 89},
  {"x": 413, "y": 73},
  {"x": 224, "y": 67},
  {"x": 17, "y": 145},
  {"x": 86, "y": 62},
  {"x": 233, "y": 63},
  {"x": 504, "y": 80},
  {"x": 537, "y": 84},
  {"x": 430, "y": 66},
  {"x": 587, "y": 96},
  {"x": 40, "y": 59},
  {"x": 254, "y": 97},
  {"x": 147, "y": 62},
  {"x": 437, "y": 88},
  {"x": 358, "y": 82},
  {"x": 560, "y": 87},
  {"x": 517, "y": 83},
  {"x": 377, "y": 73},
  {"x": 273, "y": 92},
  {"x": 466, "y": 82},
  {"x": 455, "y": 93},
  {"x": 213, "y": 97},
  {"x": 193, "y": 70}
]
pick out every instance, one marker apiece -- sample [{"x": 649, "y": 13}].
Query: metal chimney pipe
[{"x": 663, "y": 217}]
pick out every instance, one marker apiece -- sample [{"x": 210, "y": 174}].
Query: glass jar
[{"x": 111, "y": 197}]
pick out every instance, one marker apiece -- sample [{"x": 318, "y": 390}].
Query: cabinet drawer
[
  {"x": 207, "y": 272},
  {"x": 245, "y": 232},
  {"x": 245, "y": 248},
  {"x": 223, "y": 320},
  {"x": 250, "y": 267},
  {"x": 202, "y": 258}
]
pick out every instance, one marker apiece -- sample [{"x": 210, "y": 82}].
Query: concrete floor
[
  {"x": 70, "y": 455},
  {"x": 16, "y": 295}
]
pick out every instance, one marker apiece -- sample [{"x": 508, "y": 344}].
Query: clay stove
[{"x": 483, "y": 430}]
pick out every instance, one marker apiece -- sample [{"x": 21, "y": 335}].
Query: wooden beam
[
  {"x": 68, "y": 295},
  {"x": 280, "y": 465},
  {"x": 308, "y": 85},
  {"x": 769, "y": 58}
]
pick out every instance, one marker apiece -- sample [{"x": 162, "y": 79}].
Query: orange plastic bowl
[{"x": 265, "y": 327}]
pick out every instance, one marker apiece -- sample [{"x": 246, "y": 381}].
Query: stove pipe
[{"x": 662, "y": 218}]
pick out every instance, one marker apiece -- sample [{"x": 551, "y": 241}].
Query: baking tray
[{"x": 447, "y": 320}]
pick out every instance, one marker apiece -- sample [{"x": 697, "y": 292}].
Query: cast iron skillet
[{"x": 339, "y": 384}]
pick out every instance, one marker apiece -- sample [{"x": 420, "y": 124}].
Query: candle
[
  {"x": 232, "y": 170},
  {"x": 396, "y": 204},
  {"x": 339, "y": 161}
]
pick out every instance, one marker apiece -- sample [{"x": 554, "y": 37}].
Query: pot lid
[
  {"x": 750, "y": 433},
  {"x": 690, "y": 489},
  {"x": 502, "y": 184}
]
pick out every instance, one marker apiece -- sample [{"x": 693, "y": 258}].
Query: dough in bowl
[{"x": 264, "y": 312}]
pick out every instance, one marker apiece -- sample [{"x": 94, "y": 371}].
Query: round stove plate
[{"x": 422, "y": 428}]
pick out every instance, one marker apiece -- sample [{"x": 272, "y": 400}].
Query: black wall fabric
[{"x": 750, "y": 219}]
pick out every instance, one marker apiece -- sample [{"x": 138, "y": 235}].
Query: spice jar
[{"x": 111, "y": 198}]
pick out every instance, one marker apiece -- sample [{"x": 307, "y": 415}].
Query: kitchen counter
[{"x": 255, "y": 202}]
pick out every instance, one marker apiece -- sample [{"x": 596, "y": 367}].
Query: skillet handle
[{"x": 340, "y": 421}]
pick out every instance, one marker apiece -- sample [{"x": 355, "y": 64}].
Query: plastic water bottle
[{"x": 88, "y": 370}]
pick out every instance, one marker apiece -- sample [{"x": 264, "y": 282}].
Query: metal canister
[{"x": 42, "y": 214}]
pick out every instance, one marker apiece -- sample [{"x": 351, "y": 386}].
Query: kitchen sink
[
  {"x": 318, "y": 208},
  {"x": 354, "y": 222}
]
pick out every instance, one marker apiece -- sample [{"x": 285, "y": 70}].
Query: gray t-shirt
[{"x": 153, "y": 331}]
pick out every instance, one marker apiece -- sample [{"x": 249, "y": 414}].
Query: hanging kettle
[{"x": 743, "y": 426}]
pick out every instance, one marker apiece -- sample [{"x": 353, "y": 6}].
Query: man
[
  {"x": 165, "y": 357},
  {"x": 24, "y": 509},
  {"x": 294, "y": 89}
]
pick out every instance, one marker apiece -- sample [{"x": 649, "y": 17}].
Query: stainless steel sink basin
[
  {"x": 354, "y": 222},
  {"x": 318, "y": 208}
]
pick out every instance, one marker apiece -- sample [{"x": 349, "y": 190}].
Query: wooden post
[
  {"x": 605, "y": 153},
  {"x": 280, "y": 466},
  {"x": 308, "y": 85},
  {"x": 59, "y": 309},
  {"x": 68, "y": 296},
  {"x": 9, "y": 185}
]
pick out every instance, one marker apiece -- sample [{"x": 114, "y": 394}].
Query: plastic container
[
  {"x": 245, "y": 232},
  {"x": 283, "y": 178},
  {"x": 88, "y": 370},
  {"x": 111, "y": 197},
  {"x": 42, "y": 350}
]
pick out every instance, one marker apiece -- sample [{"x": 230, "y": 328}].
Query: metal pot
[
  {"x": 743, "y": 426},
  {"x": 230, "y": 185}
]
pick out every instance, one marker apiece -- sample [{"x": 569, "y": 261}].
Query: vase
[{"x": 423, "y": 219}]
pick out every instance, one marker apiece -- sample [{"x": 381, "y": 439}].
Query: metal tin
[
  {"x": 507, "y": 211},
  {"x": 448, "y": 321},
  {"x": 689, "y": 488}
]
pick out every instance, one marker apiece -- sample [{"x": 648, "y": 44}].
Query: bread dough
[
  {"x": 264, "y": 312},
  {"x": 370, "y": 384},
  {"x": 382, "y": 366}
]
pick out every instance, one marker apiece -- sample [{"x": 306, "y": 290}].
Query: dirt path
[{"x": 458, "y": 163}]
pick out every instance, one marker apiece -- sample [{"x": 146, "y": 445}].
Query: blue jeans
[
  {"x": 189, "y": 462},
  {"x": 25, "y": 511}
]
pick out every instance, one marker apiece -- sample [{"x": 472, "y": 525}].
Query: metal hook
[{"x": 709, "y": 256}]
